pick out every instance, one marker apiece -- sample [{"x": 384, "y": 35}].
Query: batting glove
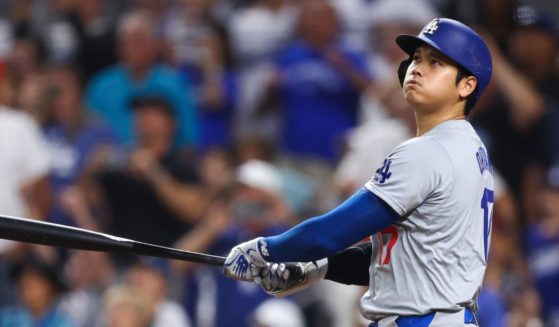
[
  {"x": 245, "y": 260},
  {"x": 282, "y": 279}
]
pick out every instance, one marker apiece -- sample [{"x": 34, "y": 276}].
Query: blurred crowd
[{"x": 199, "y": 124}]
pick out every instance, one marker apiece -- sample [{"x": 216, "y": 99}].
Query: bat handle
[{"x": 294, "y": 271}]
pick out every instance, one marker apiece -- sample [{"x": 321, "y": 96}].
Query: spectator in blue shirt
[
  {"x": 319, "y": 82},
  {"x": 216, "y": 97},
  {"x": 74, "y": 140},
  {"x": 138, "y": 74}
]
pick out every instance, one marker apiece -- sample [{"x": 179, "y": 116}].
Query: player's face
[{"x": 430, "y": 82}]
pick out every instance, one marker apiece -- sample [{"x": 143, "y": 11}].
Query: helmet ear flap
[{"x": 402, "y": 69}]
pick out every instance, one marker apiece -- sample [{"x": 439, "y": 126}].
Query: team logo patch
[
  {"x": 383, "y": 172},
  {"x": 431, "y": 27},
  {"x": 263, "y": 248}
]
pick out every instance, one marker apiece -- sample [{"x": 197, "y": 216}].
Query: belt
[{"x": 426, "y": 319}]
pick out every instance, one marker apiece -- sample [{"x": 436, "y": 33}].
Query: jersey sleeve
[{"x": 414, "y": 171}]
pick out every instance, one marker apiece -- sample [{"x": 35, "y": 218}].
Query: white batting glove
[
  {"x": 245, "y": 260},
  {"x": 282, "y": 279}
]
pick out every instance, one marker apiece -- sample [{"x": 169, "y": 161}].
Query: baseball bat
[{"x": 39, "y": 232}]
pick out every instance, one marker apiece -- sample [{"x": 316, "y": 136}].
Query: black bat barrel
[{"x": 32, "y": 231}]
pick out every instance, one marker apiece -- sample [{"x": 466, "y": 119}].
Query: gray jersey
[{"x": 434, "y": 258}]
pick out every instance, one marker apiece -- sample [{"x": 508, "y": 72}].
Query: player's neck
[{"x": 428, "y": 120}]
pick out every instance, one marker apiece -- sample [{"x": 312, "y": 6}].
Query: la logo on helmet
[{"x": 431, "y": 27}]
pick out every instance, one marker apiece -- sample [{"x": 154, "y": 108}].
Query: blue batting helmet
[{"x": 456, "y": 41}]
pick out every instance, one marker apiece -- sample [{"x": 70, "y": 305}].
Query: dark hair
[
  {"x": 71, "y": 68},
  {"x": 38, "y": 45},
  {"x": 50, "y": 271},
  {"x": 152, "y": 101},
  {"x": 471, "y": 99}
]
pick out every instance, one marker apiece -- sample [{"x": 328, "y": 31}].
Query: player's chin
[{"x": 413, "y": 96}]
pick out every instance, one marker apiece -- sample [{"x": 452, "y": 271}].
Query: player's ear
[{"x": 467, "y": 86}]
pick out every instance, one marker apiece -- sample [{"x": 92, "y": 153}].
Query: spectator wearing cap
[
  {"x": 40, "y": 285},
  {"x": 152, "y": 194},
  {"x": 542, "y": 248},
  {"x": 253, "y": 206},
  {"x": 138, "y": 73},
  {"x": 534, "y": 47}
]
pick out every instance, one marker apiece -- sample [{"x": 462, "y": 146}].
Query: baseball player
[{"x": 427, "y": 209}]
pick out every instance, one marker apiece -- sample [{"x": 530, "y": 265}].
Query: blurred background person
[
  {"x": 94, "y": 24},
  {"x": 71, "y": 32},
  {"x": 25, "y": 167},
  {"x": 153, "y": 278},
  {"x": 526, "y": 312},
  {"x": 542, "y": 246},
  {"x": 73, "y": 138},
  {"x": 516, "y": 116},
  {"x": 217, "y": 171},
  {"x": 198, "y": 46},
  {"x": 24, "y": 190},
  {"x": 152, "y": 194},
  {"x": 317, "y": 77},
  {"x": 25, "y": 59},
  {"x": 125, "y": 306},
  {"x": 87, "y": 275},
  {"x": 355, "y": 22},
  {"x": 40, "y": 285},
  {"x": 257, "y": 33},
  {"x": 138, "y": 73}
]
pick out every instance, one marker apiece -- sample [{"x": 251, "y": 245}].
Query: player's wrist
[
  {"x": 257, "y": 251},
  {"x": 262, "y": 246}
]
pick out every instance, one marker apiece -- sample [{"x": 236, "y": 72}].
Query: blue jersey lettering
[{"x": 483, "y": 161}]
